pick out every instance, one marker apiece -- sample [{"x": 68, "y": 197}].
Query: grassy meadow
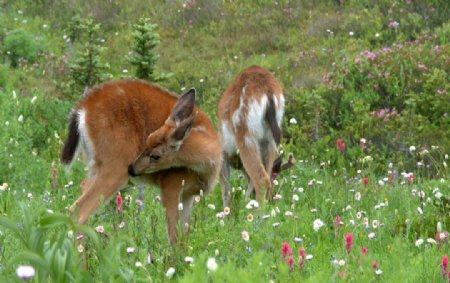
[{"x": 373, "y": 75}]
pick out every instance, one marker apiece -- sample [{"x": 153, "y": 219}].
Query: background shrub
[{"x": 18, "y": 45}]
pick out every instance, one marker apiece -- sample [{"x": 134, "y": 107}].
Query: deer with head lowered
[
  {"x": 129, "y": 127},
  {"x": 250, "y": 115}
]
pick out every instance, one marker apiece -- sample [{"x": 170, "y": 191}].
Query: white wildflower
[
  {"x": 252, "y": 204},
  {"x": 245, "y": 236},
  {"x": 25, "y": 271},
  {"x": 419, "y": 242},
  {"x": 170, "y": 272},
  {"x": 211, "y": 264},
  {"x": 317, "y": 224}
]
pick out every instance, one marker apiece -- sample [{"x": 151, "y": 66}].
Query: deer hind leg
[
  {"x": 103, "y": 185},
  {"x": 225, "y": 180},
  {"x": 253, "y": 165},
  {"x": 250, "y": 187},
  {"x": 268, "y": 152}
]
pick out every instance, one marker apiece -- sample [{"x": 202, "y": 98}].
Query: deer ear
[
  {"x": 184, "y": 128},
  {"x": 184, "y": 107}
]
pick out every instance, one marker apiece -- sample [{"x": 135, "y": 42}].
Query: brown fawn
[
  {"x": 130, "y": 127},
  {"x": 250, "y": 115}
]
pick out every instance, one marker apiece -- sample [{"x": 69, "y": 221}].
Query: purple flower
[{"x": 393, "y": 24}]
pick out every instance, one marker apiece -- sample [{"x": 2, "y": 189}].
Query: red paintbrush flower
[
  {"x": 348, "y": 242},
  {"x": 444, "y": 265},
  {"x": 119, "y": 202},
  {"x": 365, "y": 181},
  {"x": 375, "y": 264},
  {"x": 285, "y": 250},
  {"x": 364, "y": 250}
]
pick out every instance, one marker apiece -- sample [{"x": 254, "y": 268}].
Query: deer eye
[{"x": 155, "y": 157}]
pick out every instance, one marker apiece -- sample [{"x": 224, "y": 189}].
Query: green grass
[
  {"x": 42, "y": 238},
  {"x": 205, "y": 46}
]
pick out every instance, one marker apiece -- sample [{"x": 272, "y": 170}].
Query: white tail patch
[
  {"x": 279, "y": 105},
  {"x": 85, "y": 147}
]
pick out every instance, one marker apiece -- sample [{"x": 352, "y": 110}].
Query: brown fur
[
  {"x": 126, "y": 122},
  {"x": 257, "y": 154}
]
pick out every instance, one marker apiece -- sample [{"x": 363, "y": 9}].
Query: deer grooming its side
[
  {"x": 132, "y": 127},
  {"x": 250, "y": 116}
]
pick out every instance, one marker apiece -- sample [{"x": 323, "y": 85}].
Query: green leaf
[
  {"x": 53, "y": 220},
  {"x": 33, "y": 258}
]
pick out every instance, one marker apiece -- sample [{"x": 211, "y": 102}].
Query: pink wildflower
[
  {"x": 340, "y": 146},
  {"x": 411, "y": 179},
  {"x": 290, "y": 262},
  {"x": 285, "y": 249},
  {"x": 337, "y": 222},
  {"x": 338, "y": 143},
  {"x": 375, "y": 264},
  {"x": 364, "y": 250},
  {"x": 348, "y": 242},
  {"x": 302, "y": 257},
  {"x": 393, "y": 24},
  {"x": 444, "y": 265},
  {"x": 365, "y": 181},
  {"x": 119, "y": 203}
]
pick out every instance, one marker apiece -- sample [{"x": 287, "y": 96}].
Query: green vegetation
[
  {"x": 371, "y": 74},
  {"x": 144, "y": 57}
]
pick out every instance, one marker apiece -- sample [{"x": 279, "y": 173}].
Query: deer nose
[{"x": 131, "y": 170}]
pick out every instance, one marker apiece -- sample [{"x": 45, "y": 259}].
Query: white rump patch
[
  {"x": 228, "y": 139},
  {"x": 255, "y": 117}
]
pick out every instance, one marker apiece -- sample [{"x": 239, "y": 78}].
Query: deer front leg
[
  {"x": 187, "y": 201},
  {"x": 171, "y": 187}
]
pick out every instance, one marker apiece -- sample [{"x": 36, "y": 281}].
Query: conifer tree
[{"x": 144, "y": 57}]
